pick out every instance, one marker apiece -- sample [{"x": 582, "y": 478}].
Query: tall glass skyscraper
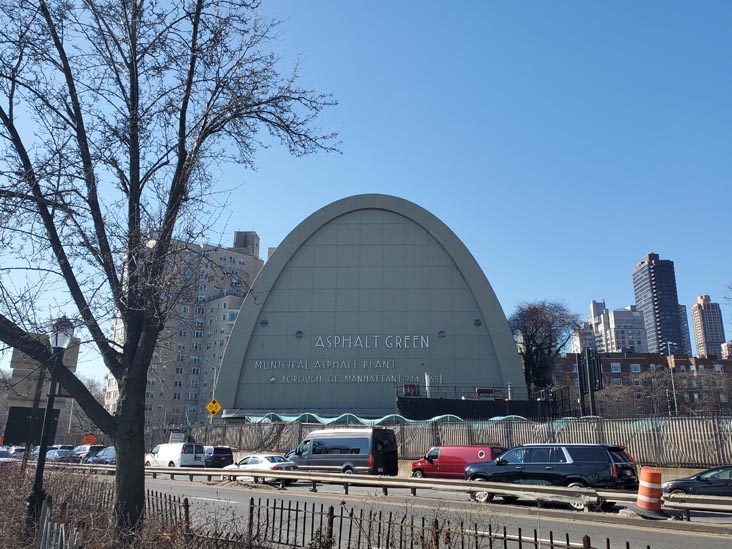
[{"x": 654, "y": 284}]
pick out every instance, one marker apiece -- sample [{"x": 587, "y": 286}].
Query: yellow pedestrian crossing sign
[{"x": 213, "y": 407}]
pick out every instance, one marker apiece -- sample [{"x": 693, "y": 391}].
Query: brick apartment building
[{"x": 643, "y": 383}]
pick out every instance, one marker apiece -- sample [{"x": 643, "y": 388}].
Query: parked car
[
  {"x": 263, "y": 462},
  {"x": 218, "y": 456},
  {"x": 7, "y": 460},
  {"x": 87, "y": 450},
  {"x": 450, "y": 461},
  {"x": 62, "y": 455},
  {"x": 108, "y": 456},
  {"x": 573, "y": 465},
  {"x": 716, "y": 481},
  {"x": 370, "y": 450},
  {"x": 17, "y": 451},
  {"x": 176, "y": 454}
]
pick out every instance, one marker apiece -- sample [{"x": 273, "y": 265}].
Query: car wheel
[
  {"x": 147, "y": 464},
  {"x": 482, "y": 497},
  {"x": 171, "y": 464},
  {"x": 417, "y": 474},
  {"x": 509, "y": 499},
  {"x": 577, "y": 506},
  {"x": 678, "y": 492},
  {"x": 347, "y": 471}
]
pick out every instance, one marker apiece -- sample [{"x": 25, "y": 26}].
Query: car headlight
[{"x": 666, "y": 486}]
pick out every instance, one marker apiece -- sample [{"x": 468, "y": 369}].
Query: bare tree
[
  {"x": 4, "y": 393},
  {"x": 112, "y": 114},
  {"x": 73, "y": 421},
  {"x": 541, "y": 330}
]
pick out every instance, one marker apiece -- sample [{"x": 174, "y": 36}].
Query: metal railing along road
[{"x": 590, "y": 499}]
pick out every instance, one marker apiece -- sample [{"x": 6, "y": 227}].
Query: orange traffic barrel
[{"x": 649, "y": 489}]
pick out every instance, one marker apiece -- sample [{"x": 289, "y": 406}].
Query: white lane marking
[{"x": 214, "y": 499}]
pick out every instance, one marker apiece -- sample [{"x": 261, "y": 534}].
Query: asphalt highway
[{"x": 227, "y": 502}]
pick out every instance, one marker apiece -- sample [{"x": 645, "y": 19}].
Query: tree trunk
[{"x": 130, "y": 445}]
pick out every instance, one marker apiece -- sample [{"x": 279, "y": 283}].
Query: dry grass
[{"x": 90, "y": 513}]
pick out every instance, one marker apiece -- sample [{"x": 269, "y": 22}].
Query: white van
[{"x": 176, "y": 454}]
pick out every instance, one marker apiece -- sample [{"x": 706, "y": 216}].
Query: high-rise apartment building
[
  {"x": 654, "y": 285},
  {"x": 185, "y": 366},
  {"x": 727, "y": 350},
  {"x": 708, "y": 327},
  {"x": 583, "y": 338},
  {"x": 616, "y": 331}
]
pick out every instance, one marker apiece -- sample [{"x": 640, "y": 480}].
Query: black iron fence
[{"x": 276, "y": 523}]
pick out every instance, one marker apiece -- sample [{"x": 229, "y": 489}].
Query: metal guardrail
[
  {"x": 590, "y": 498},
  {"x": 686, "y": 503}
]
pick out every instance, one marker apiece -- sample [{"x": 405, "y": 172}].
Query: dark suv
[
  {"x": 218, "y": 456},
  {"x": 575, "y": 465}
]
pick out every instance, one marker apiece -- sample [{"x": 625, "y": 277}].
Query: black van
[{"x": 370, "y": 451}]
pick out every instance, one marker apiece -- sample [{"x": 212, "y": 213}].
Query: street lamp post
[
  {"x": 673, "y": 383},
  {"x": 60, "y": 337}
]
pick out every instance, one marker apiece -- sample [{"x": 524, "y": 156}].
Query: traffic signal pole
[{"x": 590, "y": 382}]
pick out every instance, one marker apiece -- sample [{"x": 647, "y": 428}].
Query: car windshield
[
  {"x": 65, "y": 453},
  {"x": 4, "y": 454},
  {"x": 222, "y": 451},
  {"x": 275, "y": 459}
]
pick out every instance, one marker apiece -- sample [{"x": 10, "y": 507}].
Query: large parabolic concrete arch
[{"x": 364, "y": 297}]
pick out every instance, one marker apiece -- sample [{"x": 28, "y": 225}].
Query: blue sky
[{"x": 561, "y": 141}]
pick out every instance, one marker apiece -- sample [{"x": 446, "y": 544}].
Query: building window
[
  {"x": 722, "y": 397},
  {"x": 718, "y": 368},
  {"x": 652, "y": 367},
  {"x": 194, "y": 371},
  {"x": 617, "y": 381},
  {"x": 701, "y": 367},
  {"x": 682, "y": 368},
  {"x": 635, "y": 368},
  {"x": 615, "y": 367},
  {"x": 184, "y": 309},
  {"x": 176, "y": 396}
]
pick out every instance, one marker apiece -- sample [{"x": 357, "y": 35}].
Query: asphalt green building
[{"x": 368, "y": 298}]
